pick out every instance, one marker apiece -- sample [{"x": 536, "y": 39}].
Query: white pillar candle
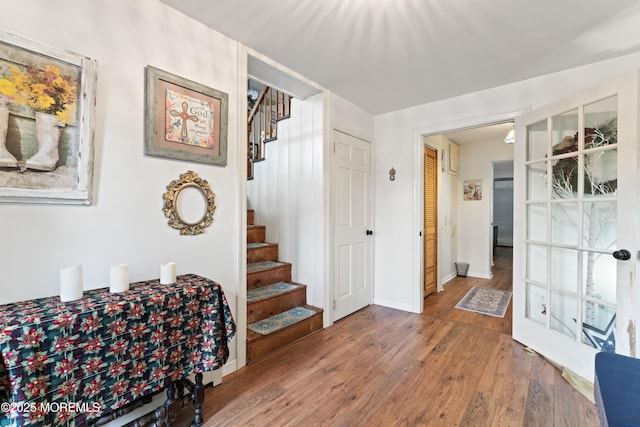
[
  {"x": 71, "y": 283},
  {"x": 119, "y": 278},
  {"x": 167, "y": 273}
]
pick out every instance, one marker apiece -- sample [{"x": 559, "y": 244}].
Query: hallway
[{"x": 441, "y": 305}]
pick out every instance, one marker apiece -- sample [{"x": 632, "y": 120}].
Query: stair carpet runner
[{"x": 277, "y": 312}]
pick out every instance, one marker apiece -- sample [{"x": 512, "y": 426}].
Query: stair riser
[
  {"x": 250, "y": 217},
  {"x": 268, "y": 277},
  {"x": 263, "y": 345},
  {"x": 255, "y": 235},
  {"x": 268, "y": 253},
  {"x": 260, "y": 310}
]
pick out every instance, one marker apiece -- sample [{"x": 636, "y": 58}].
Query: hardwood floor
[{"x": 385, "y": 367}]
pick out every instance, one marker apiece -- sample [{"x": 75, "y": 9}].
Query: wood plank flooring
[{"x": 385, "y": 367}]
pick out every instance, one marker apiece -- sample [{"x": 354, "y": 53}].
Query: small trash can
[{"x": 461, "y": 269}]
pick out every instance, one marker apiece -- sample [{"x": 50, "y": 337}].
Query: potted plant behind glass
[{"x": 600, "y": 179}]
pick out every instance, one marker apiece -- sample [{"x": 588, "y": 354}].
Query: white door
[
  {"x": 576, "y": 189},
  {"x": 352, "y": 248}
]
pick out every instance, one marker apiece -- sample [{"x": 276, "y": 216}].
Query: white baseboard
[
  {"x": 156, "y": 402},
  {"x": 480, "y": 275},
  {"x": 229, "y": 367},
  {"x": 214, "y": 377},
  {"x": 392, "y": 304},
  {"x": 448, "y": 278}
]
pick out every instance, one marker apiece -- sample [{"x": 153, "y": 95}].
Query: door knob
[
  {"x": 622, "y": 255},
  {"x": 369, "y": 232}
]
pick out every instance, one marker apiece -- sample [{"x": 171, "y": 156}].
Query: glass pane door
[
  {"x": 571, "y": 206},
  {"x": 575, "y": 205}
]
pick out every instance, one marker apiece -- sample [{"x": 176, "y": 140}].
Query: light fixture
[{"x": 511, "y": 137}]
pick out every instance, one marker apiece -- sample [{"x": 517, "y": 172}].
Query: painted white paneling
[
  {"x": 398, "y": 252},
  {"x": 125, "y": 224},
  {"x": 287, "y": 193}
]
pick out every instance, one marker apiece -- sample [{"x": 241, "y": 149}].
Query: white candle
[
  {"x": 119, "y": 278},
  {"x": 71, "y": 283},
  {"x": 167, "y": 273}
]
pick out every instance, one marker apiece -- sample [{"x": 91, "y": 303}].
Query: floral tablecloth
[{"x": 69, "y": 363}]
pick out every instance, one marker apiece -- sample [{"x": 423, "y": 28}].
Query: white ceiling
[{"x": 385, "y": 55}]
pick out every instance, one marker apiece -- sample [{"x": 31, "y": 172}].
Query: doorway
[
  {"x": 502, "y": 205},
  {"x": 453, "y": 218}
]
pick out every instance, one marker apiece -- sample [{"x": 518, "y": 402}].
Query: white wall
[
  {"x": 287, "y": 193},
  {"x": 475, "y": 232},
  {"x": 125, "y": 224},
  {"x": 398, "y": 140},
  {"x": 350, "y": 118}
]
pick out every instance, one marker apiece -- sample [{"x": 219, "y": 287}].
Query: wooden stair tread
[
  {"x": 257, "y": 267},
  {"x": 256, "y": 245},
  {"x": 271, "y": 291},
  {"x": 281, "y": 321}
]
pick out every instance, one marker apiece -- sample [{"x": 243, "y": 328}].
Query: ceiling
[{"x": 386, "y": 55}]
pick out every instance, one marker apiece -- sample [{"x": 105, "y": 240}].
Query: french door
[{"x": 575, "y": 223}]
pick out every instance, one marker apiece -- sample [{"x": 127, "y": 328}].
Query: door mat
[{"x": 492, "y": 302}]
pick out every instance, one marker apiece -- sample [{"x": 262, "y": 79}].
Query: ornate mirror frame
[{"x": 188, "y": 179}]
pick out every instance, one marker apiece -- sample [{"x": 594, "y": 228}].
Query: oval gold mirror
[{"x": 189, "y": 204}]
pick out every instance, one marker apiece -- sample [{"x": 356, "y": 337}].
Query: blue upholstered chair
[{"x": 617, "y": 390}]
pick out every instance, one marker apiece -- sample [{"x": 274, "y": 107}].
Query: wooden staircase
[
  {"x": 270, "y": 107},
  {"x": 277, "y": 310}
]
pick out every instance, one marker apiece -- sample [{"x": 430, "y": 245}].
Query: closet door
[{"x": 430, "y": 231}]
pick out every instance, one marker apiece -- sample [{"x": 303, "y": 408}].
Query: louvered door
[{"x": 430, "y": 231}]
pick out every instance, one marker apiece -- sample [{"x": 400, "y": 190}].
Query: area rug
[{"x": 492, "y": 302}]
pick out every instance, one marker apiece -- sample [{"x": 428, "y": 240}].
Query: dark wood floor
[{"x": 385, "y": 367}]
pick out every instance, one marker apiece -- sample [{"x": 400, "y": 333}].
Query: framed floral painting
[
  {"x": 47, "y": 101},
  {"x": 185, "y": 120}
]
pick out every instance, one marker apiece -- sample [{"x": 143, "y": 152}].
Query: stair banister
[{"x": 256, "y": 106}]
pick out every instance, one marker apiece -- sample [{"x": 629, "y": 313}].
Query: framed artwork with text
[{"x": 184, "y": 120}]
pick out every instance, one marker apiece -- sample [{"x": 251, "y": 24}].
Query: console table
[{"x": 70, "y": 363}]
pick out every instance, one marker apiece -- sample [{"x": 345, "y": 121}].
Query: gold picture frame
[{"x": 172, "y": 208}]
